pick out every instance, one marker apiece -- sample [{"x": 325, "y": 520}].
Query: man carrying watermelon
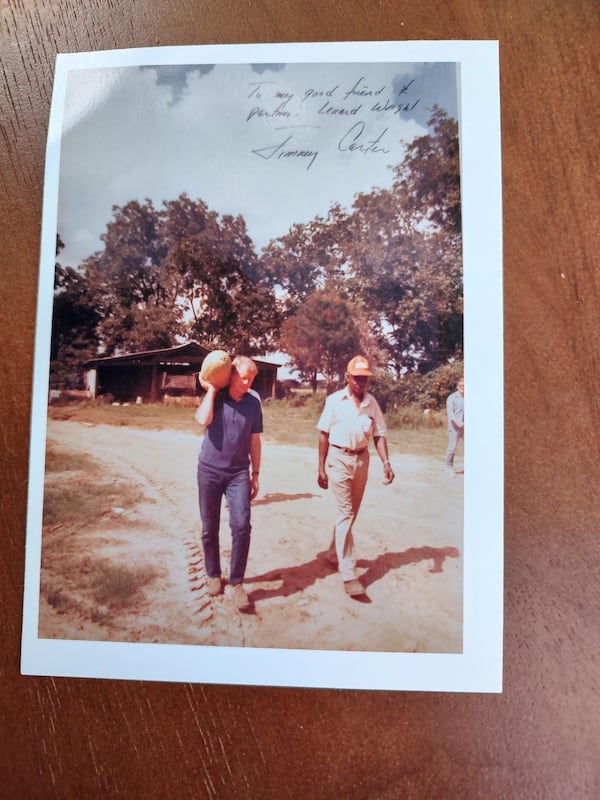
[{"x": 228, "y": 464}]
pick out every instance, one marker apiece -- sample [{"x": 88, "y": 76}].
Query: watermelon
[{"x": 216, "y": 369}]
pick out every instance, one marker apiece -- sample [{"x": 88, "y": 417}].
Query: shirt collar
[{"x": 347, "y": 396}]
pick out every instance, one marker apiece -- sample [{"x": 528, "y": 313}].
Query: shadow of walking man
[
  {"x": 298, "y": 578},
  {"x": 383, "y": 564},
  {"x": 292, "y": 579},
  {"x": 279, "y": 497}
]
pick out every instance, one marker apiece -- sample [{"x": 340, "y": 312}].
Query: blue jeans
[{"x": 212, "y": 485}]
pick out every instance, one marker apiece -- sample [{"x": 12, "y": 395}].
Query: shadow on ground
[
  {"x": 280, "y": 497},
  {"x": 299, "y": 578}
]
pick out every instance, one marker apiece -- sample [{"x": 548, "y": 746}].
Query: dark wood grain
[{"x": 68, "y": 738}]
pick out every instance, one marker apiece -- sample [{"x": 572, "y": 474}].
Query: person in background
[
  {"x": 348, "y": 421},
  {"x": 455, "y": 410}
]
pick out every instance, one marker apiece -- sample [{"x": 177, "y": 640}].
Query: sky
[{"x": 275, "y": 143}]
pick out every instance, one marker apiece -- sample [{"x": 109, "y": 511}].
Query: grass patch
[
  {"x": 117, "y": 586},
  {"x": 95, "y": 590},
  {"x": 289, "y": 422},
  {"x": 293, "y": 421},
  {"x": 76, "y": 490},
  {"x": 149, "y": 417},
  {"x": 409, "y": 431},
  {"x": 61, "y": 459},
  {"x": 77, "y": 494}
]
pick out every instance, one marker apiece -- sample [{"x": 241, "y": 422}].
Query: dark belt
[{"x": 349, "y": 451}]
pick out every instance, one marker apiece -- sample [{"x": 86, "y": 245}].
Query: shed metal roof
[{"x": 190, "y": 351}]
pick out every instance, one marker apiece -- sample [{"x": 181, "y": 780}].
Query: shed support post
[{"x": 153, "y": 393}]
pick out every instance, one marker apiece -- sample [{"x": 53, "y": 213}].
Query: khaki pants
[{"x": 347, "y": 478}]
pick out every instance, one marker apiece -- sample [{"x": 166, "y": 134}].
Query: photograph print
[{"x": 250, "y": 369}]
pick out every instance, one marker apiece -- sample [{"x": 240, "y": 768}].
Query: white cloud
[{"x": 277, "y": 146}]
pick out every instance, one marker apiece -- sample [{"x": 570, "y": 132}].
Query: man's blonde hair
[{"x": 244, "y": 361}]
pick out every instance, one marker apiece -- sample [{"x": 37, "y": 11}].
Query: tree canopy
[
  {"x": 74, "y": 322},
  {"x": 383, "y": 276},
  {"x": 396, "y": 253},
  {"x": 322, "y": 336}
]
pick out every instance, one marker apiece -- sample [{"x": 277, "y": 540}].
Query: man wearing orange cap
[{"x": 349, "y": 419}]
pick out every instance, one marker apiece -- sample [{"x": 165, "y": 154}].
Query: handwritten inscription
[
  {"x": 361, "y": 102},
  {"x": 282, "y": 151},
  {"x": 354, "y": 142},
  {"x": 361, "y": 89},
  {"x": 279, "y": 112},
  {"x": 327, "y": 108},
  {"x": 319, "y": 93}
]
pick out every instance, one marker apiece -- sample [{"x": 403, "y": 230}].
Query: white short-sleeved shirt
[{"x": 348, "y": 425}]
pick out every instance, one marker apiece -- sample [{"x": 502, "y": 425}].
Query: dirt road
[{"x": 408, "y": 543}]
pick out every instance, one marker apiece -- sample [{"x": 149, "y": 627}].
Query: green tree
[
  {"x": 179, "y": 271},
  {"x": 134, "y": 290},
  {"x": 304, "y": 260},
  {"x": 217, "y": 275},
  {"x": 403, "y": 250},
  {"x": 75, "y": 319},
  {"x": 322, "y": 336},
  {"x": 430, "y": 174}
]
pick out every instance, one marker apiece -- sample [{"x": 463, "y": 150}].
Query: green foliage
[
  {"x": 383, "y": 278},
  {"x": 404, "y": 254},
  {"x": 116, "y": 585},
  {"x": 74, "y": 323},
  {"x": 383, "y": 386},
  {"x": 75, "y": 492},
  {"x": 428, "y": 391},
  {"x": 289, "y": 421},
  {"x": 217, "y": 276},
  {"x": 159, "y": 263},
  {"x": 322, "y": 336},
  {"x": 395, "y": 256},
  {"x": 133, "y": 282},
  {"x": 304, "y": 260},
  {"x": 413, "y": 418},
  {"x": 430, "y": 174}
]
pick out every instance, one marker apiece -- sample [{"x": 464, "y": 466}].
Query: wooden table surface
[{"x": 69, "y": 738}]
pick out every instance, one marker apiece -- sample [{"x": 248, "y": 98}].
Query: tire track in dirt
[
  {"x": 196, "y": 575},
  {"x": 204, "y": 608},
  {"x": 161, "y": 478},
  {"x": 297, "y": 602}
]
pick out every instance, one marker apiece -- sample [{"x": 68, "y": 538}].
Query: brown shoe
[
  {"x": 214, "y": 586},
  {"x": 240, "y": 598},
  {"x": 354, "y": 588}
]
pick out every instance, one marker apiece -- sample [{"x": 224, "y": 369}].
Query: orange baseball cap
[{"x": 359, "y": 365}]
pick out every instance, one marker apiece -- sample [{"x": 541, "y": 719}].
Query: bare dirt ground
[{"x": 408, "y": 539}]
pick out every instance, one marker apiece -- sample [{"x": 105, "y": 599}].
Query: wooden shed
[{"x": 155, "y": 375}]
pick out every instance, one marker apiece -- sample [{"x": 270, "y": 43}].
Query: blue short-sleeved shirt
[{"x": 226, "y": 443}]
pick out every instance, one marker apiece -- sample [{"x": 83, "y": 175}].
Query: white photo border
[{"x": 479, "y": 667}]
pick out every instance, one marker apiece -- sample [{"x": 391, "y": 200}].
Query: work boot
[
  {"x": 240, "y": 598},
  {"x": 214, "y": 586},
  {"x": 354, "y": 588}
]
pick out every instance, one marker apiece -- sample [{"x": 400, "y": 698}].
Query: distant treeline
[{"x": 383, "y": 277}]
